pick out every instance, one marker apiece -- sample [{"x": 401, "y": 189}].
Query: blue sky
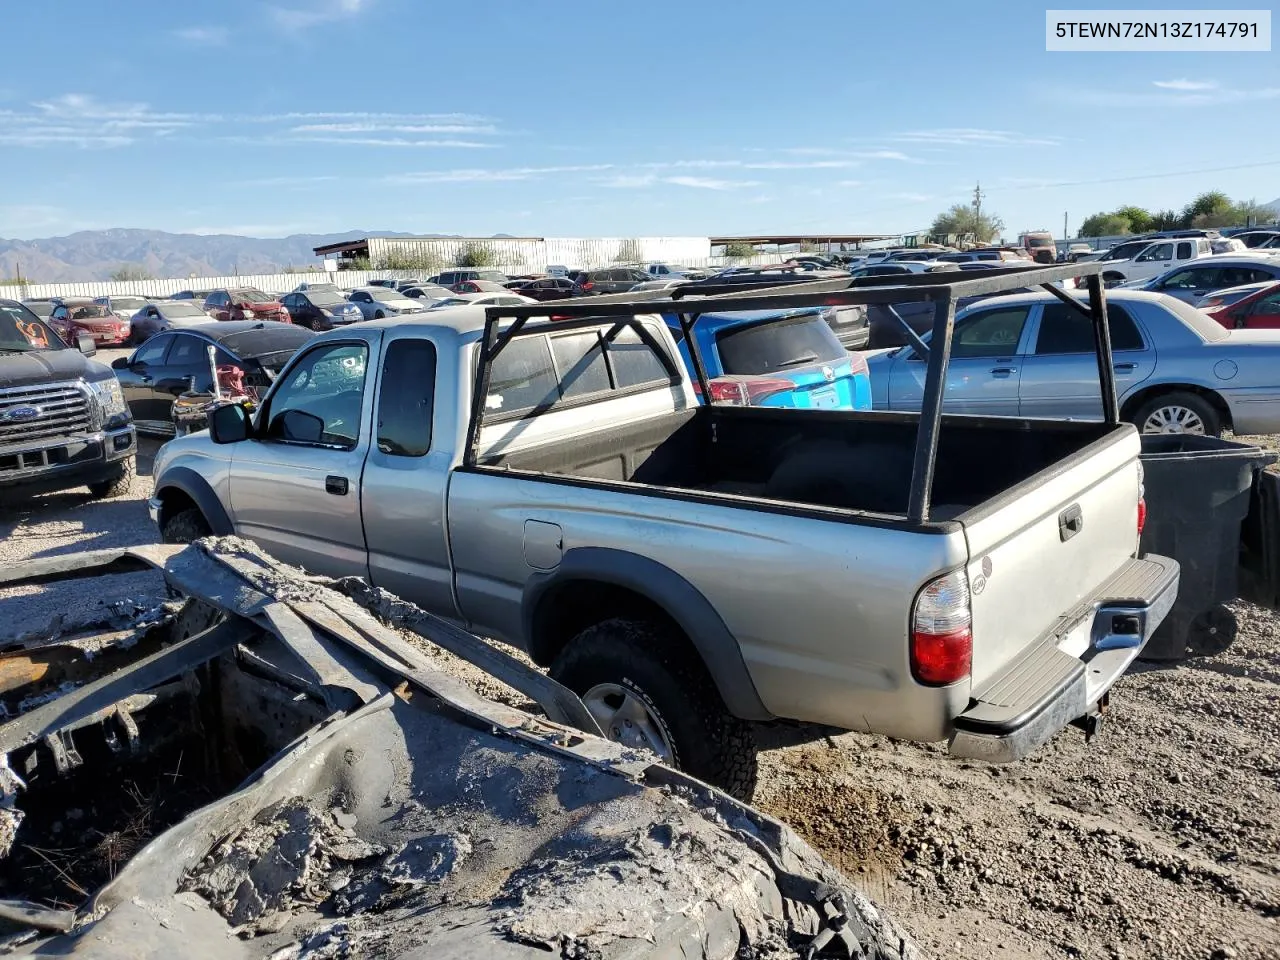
[{"x": 598, "y": 119}]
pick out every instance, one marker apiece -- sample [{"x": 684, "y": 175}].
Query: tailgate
[{"x": 1042, "y": 547}]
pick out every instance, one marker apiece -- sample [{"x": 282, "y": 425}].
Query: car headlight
[{"x": 110, "y": 400}]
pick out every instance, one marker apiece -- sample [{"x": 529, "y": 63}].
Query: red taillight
[
  {"x": 1142, "y": 515},
  {"x": 588, "y": 285},
  {"x": 857, "y": 364},
  {"x": 743, "y": 391},
  {"x": 942, "y": 631}
]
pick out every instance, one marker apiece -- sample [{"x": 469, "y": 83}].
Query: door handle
[
  {"x": 1126, "y": 367},
  {"x": 335, "y": 485},
  {"x": 1003, "y": 371},
  {"x": 1070, "y": 522}
]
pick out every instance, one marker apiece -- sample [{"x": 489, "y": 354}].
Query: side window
[
  {"x": 994, "y": 333},
  {"x": 1161, "y": 251},
  {"x": 360, "y": 297},
  {"x": 1191, "y": 279},
  {"x": 320, "y": 399},
  {"x": 522, "y": 377},
  {"x": 1267, "y": 306},
  {"x": 152, "y": 352},
  {"x": 1184, "y": 250},
  {"x": 405, "y": 398},
  {"x": 188, "y": 352},
  {"x": 1253, "y": 275},
  {"x": 580, "y": 361},
  {"x": 1065, "y": 330},
  {"x": 634, "y": 361}
]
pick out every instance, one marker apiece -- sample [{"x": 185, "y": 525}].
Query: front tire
[
  {"x": 116, "y": 486},
  {"x": 185, "y": 526},
  {"x": 646, "y": 688},
  {"x": 379, "y": 315},
  {"x": 1178, "y": 411}
]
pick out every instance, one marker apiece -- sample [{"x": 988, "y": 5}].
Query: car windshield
[
  {"x": 249, "y": 296},
  {"x": 128, "y": 303},
  {"x": 181, "y": 309},
  {"x": 87, "y": 311},
  {"x": 386, "y": 295},
  {"x": 323, "y": 298},
  {"x": 1039, "y": 242},
  {"x": 21, "y": 331},
  {"x": 774, "y": 345}
]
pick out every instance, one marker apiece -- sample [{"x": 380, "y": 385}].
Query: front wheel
[
  {"x": 116, "y": 486},
  {"x": 379, "y": 315},
  {"x": 1178, "y": 412},
  {"x": 647, "y": 689},
  {"x": 1110, "y": 280},
  {"x": 185, "y": 526}
]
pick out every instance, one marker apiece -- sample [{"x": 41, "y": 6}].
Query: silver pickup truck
[{"x": 690, "y": 568}]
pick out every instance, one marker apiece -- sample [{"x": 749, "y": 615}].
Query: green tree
[
  {"x": 629, "y": 251},
  {"x": 1207, "y": 210},
  {"x": 739, "y": 250},
  {"x": 130, "y": 271},
  {"x": 1251, "y": 213},
  {"x": 1166, "y": 220},
  {"x": 1140, "y": 220},
  {"x": 963, "y": 219},
  {"x": 476, "y": 255},
  {"x": 1105, "y": 225},
  {"x": 355, "y": 263},
  {"x": 424, "y": 261}
]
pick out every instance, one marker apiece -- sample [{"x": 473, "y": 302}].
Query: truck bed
[{"x": 857, "y": 462}]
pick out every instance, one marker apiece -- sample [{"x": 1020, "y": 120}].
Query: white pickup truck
[
  {"x": 687, "y": 567},
  {"x": 1155, "y": 259}
]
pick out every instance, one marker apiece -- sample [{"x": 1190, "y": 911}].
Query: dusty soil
[{"x": 1159, "y": 839}]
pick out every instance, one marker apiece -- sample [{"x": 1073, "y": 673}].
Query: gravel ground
[{"x": 1159, "y": 839}]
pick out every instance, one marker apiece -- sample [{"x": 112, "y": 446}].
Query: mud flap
[{"x": 1259, "y": 580}]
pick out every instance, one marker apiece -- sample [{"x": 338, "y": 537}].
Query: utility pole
[
  {"x": 1065, "y": 235},
  {"x": 977, "y": 213}
]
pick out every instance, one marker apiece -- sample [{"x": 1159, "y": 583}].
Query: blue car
[{"x": 777, "y": 358}]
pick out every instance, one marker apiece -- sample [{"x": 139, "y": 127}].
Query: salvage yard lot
[{"x": 1161, "y": 839}]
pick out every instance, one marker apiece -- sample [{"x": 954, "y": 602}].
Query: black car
[
  {"x": 545, "y": 288},
  {"x": 164, "y": 315},
  {"x": 609, "y": 280},
  {"x": 174, "y": 368},
  {"x": 320, "y": 309}
]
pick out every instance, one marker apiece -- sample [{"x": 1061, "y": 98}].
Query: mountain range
[{"x": 97, "y": 254}]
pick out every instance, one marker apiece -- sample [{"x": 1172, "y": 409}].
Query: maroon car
[
  {"x": 70, "y": 318},
  {"x": 244, "y": 303}
]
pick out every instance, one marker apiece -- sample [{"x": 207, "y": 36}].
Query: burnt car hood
[
  {"x": 271, "y": 771},
  {"x": 45, "y": 366}
]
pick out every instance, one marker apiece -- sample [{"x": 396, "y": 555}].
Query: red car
[
  {"x": 244, "y": 303},
  {"x": 478, "y": 286},
  {"x": 1258, "y": 311},
  {"x": 70, "y": 318}
]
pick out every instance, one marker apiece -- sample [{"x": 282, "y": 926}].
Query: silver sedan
[
  {"x": 378, "y": 302},
  {"x": 1029, "y": 355}
]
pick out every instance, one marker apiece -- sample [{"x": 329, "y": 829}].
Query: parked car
[
  {"x": 1010, "y": 254},
  {"x": 883, "y": 328},
  {"x": 777, "y": 358},
  {"x": 378, "y": 302},
  {"x": 1076, "y": 252},
  {"x": 668, "y": 271},
  {"x": 448, "y": 278},
  {"x": 63, "y": 420},
  {"x": 656, "y": 285},
  {"x": 606, "y": 527},
  {"x": 546, "y": 288},
  {"x": 506, "y": 298},
  {"x": 404, "y": 283},
  {"x": 321, "y": 286},
  {"x": 1154, "y": 259},
  {"x": 198, "y": 295},
  {"x": 318, "y": 309},
  {"x": 389, "y": 282},
  {"x": 1259, "y": 238},
  {"x": 73, "y": 316},
  {"x": 1225, "y": 298},
  {"x": 174, "y": 367},
  {"x": 123, "y": 307},
  {"x": 244, "y": 303},
  {"x": 1029, "y": 355},
  {"x": 593, "y": 283},
  {"x": 164, "y": 315},
  {"x": 477, "y": 286},
  {"x": 427, "y": 292},
  {"x": 1200, "y": 278},
  {"x": 1258, "y": 309},
  {"x": 1227, "y": 245}
]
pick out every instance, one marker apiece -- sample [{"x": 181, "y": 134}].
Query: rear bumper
[{"x": 1051, "y": 685}]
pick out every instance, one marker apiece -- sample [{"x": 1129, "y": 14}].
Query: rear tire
[
  {"x": 185, "y": 526},
  {"x": 655, "y": 668},
  {"x": 1178, "y": 411},
  {"x": 116, "y": 486},
  {"x": 379, "y": 315}
]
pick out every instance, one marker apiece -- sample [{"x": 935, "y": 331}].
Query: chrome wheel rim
[
  {"x": 625, "y": 719},
  {"x": 1174, "y": 419}
]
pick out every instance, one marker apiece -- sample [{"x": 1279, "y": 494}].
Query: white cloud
[
  {"x": 708, "y": 183},
  {"x": 1172, "y": 93},
  {"x": 385, "y": 142},
  {"x": 971, "y": 136},
  {"x": 629, "y": 181},
  {"x": 477, "y": 175},
  {"x": 381, "y": 126},
  {"x": 1185, "y": 84},
  {"x": 319, "y": 12},
  {"x": 203, "y": 36}
]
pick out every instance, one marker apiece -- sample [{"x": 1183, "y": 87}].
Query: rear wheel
[
  {"x": 1112, "y": 279},
  {"x": 115, "y": 486},
  {"x": 379, "y": 315},
  {"x": 646, "y": 689},
  {"x": 1178, "y": 412}
]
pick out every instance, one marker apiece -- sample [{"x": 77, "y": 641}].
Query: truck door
[
  {"x": 295, "y": 487},
  {"x": 406, "y": 478}
]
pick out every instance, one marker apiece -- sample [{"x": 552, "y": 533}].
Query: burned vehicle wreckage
[{"x": 260, "y": 766}]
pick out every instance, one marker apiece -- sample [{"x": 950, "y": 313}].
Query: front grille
[{"x": 60, "y": 410}]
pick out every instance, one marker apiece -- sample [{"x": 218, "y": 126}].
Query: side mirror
[
  {"x": 85, "y": 344},
  {"x": 229, "y": 424},
  {"x": 120, "y": 363},
  {"x": 301, "y": 426}
]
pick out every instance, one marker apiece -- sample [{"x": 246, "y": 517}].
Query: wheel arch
[
  {"x": 1145, "y": 392},
  {"x": 181, "y": 489},
  {"x": 594, "y": 584}
]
